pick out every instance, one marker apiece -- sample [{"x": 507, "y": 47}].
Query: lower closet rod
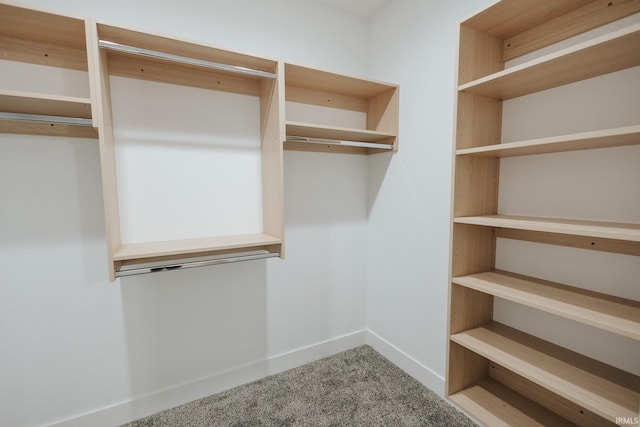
[
  {"x": 78, "y": 121},
  {"x": 192, "y": 264},
  {"x": 292, "y": 138}
]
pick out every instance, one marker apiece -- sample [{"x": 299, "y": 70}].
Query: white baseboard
[
  {"x": 407, "y": 363},
  {"x": 146, "y": 405}
]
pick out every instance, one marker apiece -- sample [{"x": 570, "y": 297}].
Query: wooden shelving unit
[
  {"x": 499, "y": 375},
  {"x": 379, "y": 101},
  {"x": 131, "y": 54},
  {"x": 50, "y": 39},
  {"x": 103, "y": 50}
]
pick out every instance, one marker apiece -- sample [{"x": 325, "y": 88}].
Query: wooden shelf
[
  {"x": 33, "y": 36},
  {"x": 325, "y": 81},
  {"x": 595, "y": 229},
  {"x": 322, "y": 132},
  {"x": 182, "y": 248},
  {"x": 617, "y": 315},
  {"x": 599, "y": 388},
  {"x": 606, "y": 54},
  {"x": 43, "y": 104},
  {"x": 629, "y": 135},
  {"x": 379, "y": 101},
  {"x": 493, "y": 404},
  {"x": 196, "y": 74}
]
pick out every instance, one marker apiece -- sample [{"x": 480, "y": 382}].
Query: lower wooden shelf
[
  {"x": 599, "y": 388},
  {"x": 494, "y": 404},
  {"x": 44, "y": 114},
  {"x": 176, "y": 249}
]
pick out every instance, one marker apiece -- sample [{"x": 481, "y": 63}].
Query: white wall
[
  {"x": 413, "y": 43},
  {"x": 74, "y": 344}
]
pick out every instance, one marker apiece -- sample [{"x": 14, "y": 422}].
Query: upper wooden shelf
[
  {"x": 505, "y": 18},
  {"x": 325, "y": 81},
  {"x": 617, "y": 315},
  {"x": 602, "y": 389},
  {"x": 168, "y": 60},
  {"x": 606, "y": 54},
  {"x": 183, "y": 248},
  {"x": 595, "y": 229},
  {"x": 28, "y": 35},
  {"x": 629, "y": 135}
]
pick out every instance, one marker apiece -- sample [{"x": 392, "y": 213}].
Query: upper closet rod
[
  {"x": 78, "y": 121},
  {"x": 184, "y": 59},
  {"x": 192, "y": 264},
  {"x": 291, "y": 138}
]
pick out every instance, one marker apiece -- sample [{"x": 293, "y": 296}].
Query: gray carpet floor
[{"x": 358, "y": 387}]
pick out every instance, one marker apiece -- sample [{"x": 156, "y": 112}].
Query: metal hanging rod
[
  {"x": 77, "y": 121},
  {"x": 184, "y": 59},
  {"x": 291, "y": 138},
  {"x": 192, "y": 264}
]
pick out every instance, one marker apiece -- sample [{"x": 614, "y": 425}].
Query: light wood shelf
[
  {"x": 338, "y": 133},
  {"x": 44, "y": 104},
  {"x": 38, "y": 37},
  {"x": 617, "y": 315},
  {"x": 594, "y": 229},
  {"x": 560, "y": 371},
  {"x": 145, "y": 67},
  {"x": 335, "y": 134},
  {"x": 379, "y": 101},
  {"x": 43, "y": 38},
  {"x": 605, "y": 54},
  {"x": 493, "y": 404},
  {"x": 186, "y": 247},
  {"x": 617, "y": 137}
]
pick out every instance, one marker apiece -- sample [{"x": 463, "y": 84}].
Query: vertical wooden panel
[
  {"x": 473, "y": 249},
  {"x": 464, "y": 369},
  {"x": 101, "y": 106},
  {"x": 478, "y": 121},
  {"x": 476, "y": 186},
  {"x": 273, "y": 132},
  {"x": 479, "y": 55},
  {"x": 383, "y": 113},
  {"x": 469, "y": 309}
]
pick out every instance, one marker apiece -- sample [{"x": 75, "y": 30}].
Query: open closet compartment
[
  {"x": 377, "y": 101},
  {"x": 498, "y": 374},
  {"x": 134, "y": 55},
  {"x": 43, "y": 38}
]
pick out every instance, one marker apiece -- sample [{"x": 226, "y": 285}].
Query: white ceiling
[{"x": 363, "y": 8}]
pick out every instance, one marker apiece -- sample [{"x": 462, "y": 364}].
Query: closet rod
[
  {"x": 78, "y": 121},
  {"x": 291, "y": 138},
  {"x": 192, "y": 264},
  {"x": 183, "y": 59}
]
